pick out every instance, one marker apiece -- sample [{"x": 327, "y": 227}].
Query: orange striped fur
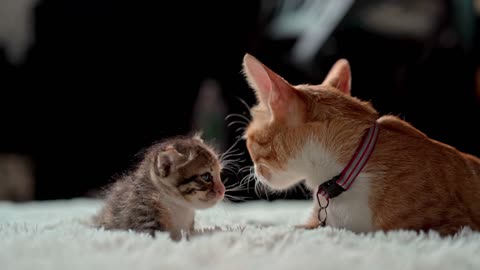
[{"x": 310, "y": 132}]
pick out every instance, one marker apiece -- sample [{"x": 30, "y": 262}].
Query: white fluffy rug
[{"x": 55, "y": 235}]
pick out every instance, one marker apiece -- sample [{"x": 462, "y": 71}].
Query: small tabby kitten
[{"x": 174, "y": 178}]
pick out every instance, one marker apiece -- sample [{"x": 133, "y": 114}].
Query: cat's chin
[
  {"x": 275, "y": 180},
  {"x": 277, "y": 184}
]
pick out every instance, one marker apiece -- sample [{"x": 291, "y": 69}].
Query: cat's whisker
[
  {"x": 266, "y": 193},
  {"x": 244, "y": 169},
  {"x": 245, "y": 181},
  {"x": 248, "y": 178},
  {"x": 237, "y": 122},
  {"x": 256, "y": 189},
  {"x": 242, "y": 129},
  {"x": 231, "y": 166},
  {"x": 252, "y": 176},
  {"x": 237, "y": 115},
  {"x": 229, "y": 198},
  {"x": 244, "y": 103},
  {"x": 265, "y": 165},
  {"x": 304, "y": 192},
  {"x": 230, "y": 149},
  {"x": 233, "y": 154},
  {"x": 231, "y": 171},
  {"x": 240, "y": 137}
]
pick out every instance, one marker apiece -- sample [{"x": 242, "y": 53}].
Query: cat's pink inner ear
[
  {"x": 282, "y": 99},
  {"x": 257, "y": 77},
  {"x": 340, "y": 77},
  {"x": 272, "y": 90}
]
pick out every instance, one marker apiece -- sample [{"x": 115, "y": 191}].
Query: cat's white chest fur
[{"x": 350, "y": 210}]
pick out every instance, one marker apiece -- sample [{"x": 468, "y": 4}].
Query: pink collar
[{"x": 342, "y": 182}]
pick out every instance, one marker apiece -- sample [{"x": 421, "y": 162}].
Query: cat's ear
[
  {"x": 340, "y": 77},
  {"x": 271, "y": 89},
  {"x": 167, "y": 160}
]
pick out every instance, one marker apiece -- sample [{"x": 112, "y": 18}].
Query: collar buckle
[{"x": 332, "y": 188}]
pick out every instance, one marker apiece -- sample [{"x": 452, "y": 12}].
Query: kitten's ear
[
  {"x": 340, "y": 77},
  {"x": 198, "y": 136},
  {"x": 167, "y": 159},
  {"x": 271, "y": 89}
]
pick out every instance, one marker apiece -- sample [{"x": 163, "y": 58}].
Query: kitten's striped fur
[{"x": 174, "y": 178}]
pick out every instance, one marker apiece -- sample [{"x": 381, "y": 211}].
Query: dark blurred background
[{"x": 86, "y": 84}]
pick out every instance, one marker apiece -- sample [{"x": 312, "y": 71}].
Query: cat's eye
[{"x": 206, "y": 177}]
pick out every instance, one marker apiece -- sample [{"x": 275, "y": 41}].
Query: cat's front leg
[{"x": 312, "y": 221}]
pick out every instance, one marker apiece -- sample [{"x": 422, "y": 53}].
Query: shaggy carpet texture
[{"x": 254, "y": 235}]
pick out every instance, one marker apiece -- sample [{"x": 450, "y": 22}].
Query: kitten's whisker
[
  {"x": 226, "y": 153},
  {"x": 236, "y": 189},
  {"x": 232, "y": 164},
  {"x": 234, "y": 196},
  {"x": 233, "y": 154},
  {"x": 230, "y": 186},
  {"x": 228, "y": 199},
  {"x": 237, "y": 197},
  {"x": 229, "y": 157},
  {"x": 234, "y": 186}
]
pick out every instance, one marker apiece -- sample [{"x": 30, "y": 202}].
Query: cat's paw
[{"x": 306, "y": 226}]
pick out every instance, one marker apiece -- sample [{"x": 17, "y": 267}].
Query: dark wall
[{"x": 117, "y": 76}]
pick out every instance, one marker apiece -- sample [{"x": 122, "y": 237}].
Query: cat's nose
[{"x": 220, "y": 190}]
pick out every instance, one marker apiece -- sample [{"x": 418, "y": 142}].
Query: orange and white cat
[{"x": 310, "y": 132}]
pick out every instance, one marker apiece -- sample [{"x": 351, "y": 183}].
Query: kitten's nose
[{"x": 220, "y": 190}]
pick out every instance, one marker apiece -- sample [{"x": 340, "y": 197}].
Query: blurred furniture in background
[{"x": 16, "y": 178}]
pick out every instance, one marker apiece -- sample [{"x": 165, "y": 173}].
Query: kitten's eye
[{"x": 206, "y": 177}]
